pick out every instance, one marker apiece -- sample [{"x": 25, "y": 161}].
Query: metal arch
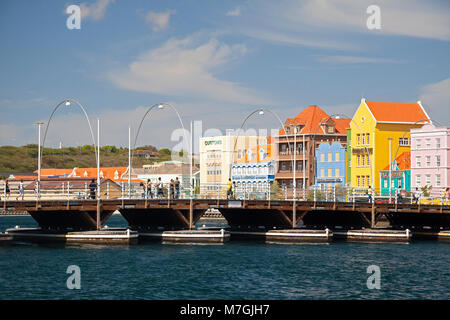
[
  {"x": 87, "y": 118},
  {"x": 243, "y": 123},
  {"x": 142, "y": 121}
]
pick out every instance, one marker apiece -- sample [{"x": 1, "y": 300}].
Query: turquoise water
[{"x": 236, "y": 270}]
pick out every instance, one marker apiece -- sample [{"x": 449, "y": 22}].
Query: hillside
[{"x": 24, "y": 159}]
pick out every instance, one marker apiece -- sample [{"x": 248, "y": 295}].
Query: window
[
  {"x": 418, "y": 144},
  {"x": 336, "y": 156},
  {"x": 358, "y": 139},
  {"x": 362, "y": 181},
  {"x": 322, "y": 172},
  {"x": 428, "y": 143},
  {"x": 288, "y": 130},
  {"x": 403, "y": 141},
  {"x": 438, "y": 180},
  {"x": 330, "y": 172},
  {"x": 363, "y": 139},
  {"x": 363, "y": 160},
  {"x": 428, "y": 179},
  {"x": 385, "y": 183},
  {"x": 359, "y": 160},
  {"x": 368, "y": 181},
  {"x": 438, "y": 143},
  {"x": 418, "y": 162},
  {"x": 358, "y": 178},
  {"x": 322, "y": 157},
  {"x": 367, "y": 138},
  {"x": 330, "y": 157},
  {"x": 438, "y": 161},
  {"x": 428, "y": 160},
  {"x": 368, "y": 160},
  {"x": 299, "y": 166},
  {"x": 283, "y": 166},
  {"x": 337, "y": 173},
  {"x": 418, "y": 180}
]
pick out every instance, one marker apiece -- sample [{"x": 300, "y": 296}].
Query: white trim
[
  {"x": 370, "y": 111},
  {"x": 423, "y": 109}
]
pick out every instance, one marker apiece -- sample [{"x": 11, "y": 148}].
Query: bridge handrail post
[
  {"x": 62, "y": 190},
  {"x": 107, "y": 190},
  {"x": 85, "y": 190},
  {"x": 68, "y": 190},
  {"x": 334, "y": 193},
  {"x": 4, "y": 199}
]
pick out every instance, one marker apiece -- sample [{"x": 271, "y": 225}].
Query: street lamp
[
  {"x": 38, "y": 191},
  {"x": 68, "y": 102}
]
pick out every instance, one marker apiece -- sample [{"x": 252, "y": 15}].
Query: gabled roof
[
  {"x": 311, "y": 118},
  {"x": 403, "y": 161},
  {"x": 397, "y": 112}
]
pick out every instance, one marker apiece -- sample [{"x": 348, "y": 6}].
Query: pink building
[{"x": 430, "y": 156}]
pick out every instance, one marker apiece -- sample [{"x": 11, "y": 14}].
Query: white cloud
[
  {"x": 353, "y": 60},
  {"x": 413, "y": 18},
  {"x": 236, "y": 12},
  {"x": 159, "y": 20},
  {"x": 435, "y": 98},
  {"x": 94, "y": 11},
  {"x": 183, "y": 68}
]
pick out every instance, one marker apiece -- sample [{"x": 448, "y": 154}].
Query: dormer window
[{"x": 288, "y": 130}]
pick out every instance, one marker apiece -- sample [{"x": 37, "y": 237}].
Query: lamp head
[
  {"x": 68, "y": 102},
  {"x": 261, "y": 112},
  {"x": 161, "y": 106}
]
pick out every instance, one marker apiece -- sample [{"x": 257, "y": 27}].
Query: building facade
[
  {"x": 330, "y": 165},
  {"x": 399, "y": 177},
  {"x": 216, "y": 159},
  {"x": 254, "y": 172},
  {"x": 430, "y": 153},
  {"x": 379, "y": 133},
  {"x": 305, "y": 133}
]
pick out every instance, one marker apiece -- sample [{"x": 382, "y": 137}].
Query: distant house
[
  {"x": 116, "y": 174},
  {"x": 147, "y": 154}
]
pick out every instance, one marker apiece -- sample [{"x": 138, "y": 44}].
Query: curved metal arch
[
  {"x": 145, "y": 115},
  {"x": 245, "y": 120},
  {"x": 87, "y": 118}
]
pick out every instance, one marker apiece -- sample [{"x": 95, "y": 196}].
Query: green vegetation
[{"x": 24, "y": 159}]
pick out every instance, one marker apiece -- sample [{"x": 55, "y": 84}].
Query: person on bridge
[
  {"x": 7, "y": 190},
  {"x": 92, "y": 188},
  {"x": 149, "y": 189},
  {"x": 177, "y": 188},
  {"x": 159, "y": 186},
  {"x": 229, "y": 191},
  {"x": 369, "y": 194},
  {"x": 172, "y": 189},
  {"x": 21, "y": 191},
  {"x": 416, "y": 196}
]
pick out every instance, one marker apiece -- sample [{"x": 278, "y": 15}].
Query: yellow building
[{"x": 375, "y": 127}]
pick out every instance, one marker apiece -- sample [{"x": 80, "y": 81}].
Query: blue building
[{"x": 330, "y": 165}]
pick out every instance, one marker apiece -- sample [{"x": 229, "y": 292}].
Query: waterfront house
[
  {"x": 430, "y": 155},
  {"x": 253, "y": 172},
  {"x": 308, "y": 130},
  {"x": 380, "y": 132},
  {"x": 330, "y": 165},
  {"x": 399, "y": 175}
]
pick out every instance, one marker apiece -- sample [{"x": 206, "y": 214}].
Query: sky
[{"x": 214, "y": 61}]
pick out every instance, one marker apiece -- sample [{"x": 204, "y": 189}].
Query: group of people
[
  {"x": 231, "y": 189},
  {"x": 20, "y": 188},
  {"x": 174, "y": 189}
]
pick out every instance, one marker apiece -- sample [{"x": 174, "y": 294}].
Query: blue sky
[{"x": 215, "y": 61}]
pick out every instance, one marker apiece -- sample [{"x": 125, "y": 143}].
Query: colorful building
[
  {"x": 399, "y": 175},
  {"x": 306, "y": 131},
  {"x": 379, "y": 133},
  {"x": 330, "y": 165},
  {"x": 430, "y": 155},
  {"x": 254, "y": 171},
  {"x": 217, "y": 155},
  {"x": 348, "y": 158}
]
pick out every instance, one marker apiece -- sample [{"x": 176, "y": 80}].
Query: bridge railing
[{"x": 80, "y": 190}]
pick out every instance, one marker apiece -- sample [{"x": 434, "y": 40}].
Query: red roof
[
  {"x": 311, "y": 118},
  {"x": 397, "y": 111},
  {"x": 403, "y": 161}
]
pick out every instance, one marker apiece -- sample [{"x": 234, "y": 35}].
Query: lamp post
[
  {"x": 390, "y": 170},
  {"x": 160, "y": 106},
  {"x": 40, "y": 123},
  {"x": 68, "y": 103}
]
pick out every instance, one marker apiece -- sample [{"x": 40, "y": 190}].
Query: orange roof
[
  {"x": 397, "y": 111},
  {"x": 108, "y": 172},
  {"x": 403, "y": 161},
  {"x": 311, "y": 118}
]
